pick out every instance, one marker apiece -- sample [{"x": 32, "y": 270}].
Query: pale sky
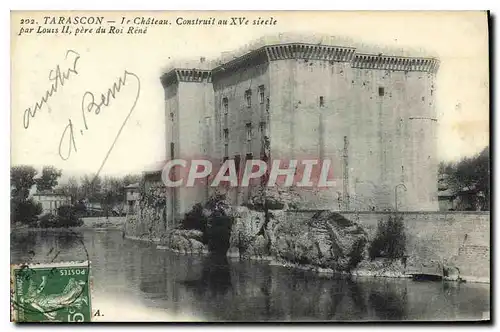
[{"x": 459, "y": 39}]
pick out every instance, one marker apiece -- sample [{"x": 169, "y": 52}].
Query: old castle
[{"x": 371, "y": 113}]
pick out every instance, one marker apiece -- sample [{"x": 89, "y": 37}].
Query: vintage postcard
[{"x": 250, "y": 166}]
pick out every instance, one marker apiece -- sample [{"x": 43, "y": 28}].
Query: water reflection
[
  {"x": 215, "y": 278},
  {"x": 389, "y": 301},
  {"x": 137, "y": 276}
]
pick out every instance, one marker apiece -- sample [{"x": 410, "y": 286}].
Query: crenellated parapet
[
  {"x": 318, "y": 52},
  {"x": 387, "y": 62},
  {"x": 309, "y": 52},
  {"x": 186, "y": 75}
]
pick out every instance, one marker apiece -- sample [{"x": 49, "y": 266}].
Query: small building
[
  {"x": 50, "y": 200},
  {"x": 131, "y": 197},
  {"x": 447, "y": 200}
]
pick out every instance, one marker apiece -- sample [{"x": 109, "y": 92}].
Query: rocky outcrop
[
  {"x": 184, "y": 241},
  {"x": 327, "y": 240}
]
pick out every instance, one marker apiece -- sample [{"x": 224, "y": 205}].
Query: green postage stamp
[{"x": 54, "y": 292}]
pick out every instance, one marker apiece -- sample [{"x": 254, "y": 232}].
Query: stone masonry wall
[{"x": 460, "y": 239}]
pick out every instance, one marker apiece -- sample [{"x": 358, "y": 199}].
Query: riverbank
[
  {"x": 380, "y": 268},
  {"x": 159, "y": 285},
  {"x": 95, "y": 223},
  {"x": 73, "y": 229},
  {"x": 450, "y": 246}
]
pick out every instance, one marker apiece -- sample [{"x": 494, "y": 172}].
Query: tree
[
  {"x": 131, "y": 178},
  {"x": 21, "y": 181},
  {"x": 71, "y": 188},
  {"x": 26, "y": 211},
  {"x": 471, "y": 174},
  {"x": 49, "y": 177},
  {"x": 390, "y": 239},
  {"x": 91, "y": 186}
]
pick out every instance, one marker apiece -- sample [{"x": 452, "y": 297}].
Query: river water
[{"x": 134, "y": 281}]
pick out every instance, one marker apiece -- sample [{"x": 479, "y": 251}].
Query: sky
[{"x": 458, "y": 39}]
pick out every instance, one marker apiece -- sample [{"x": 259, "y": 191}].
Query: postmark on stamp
[{"x": 54, "y": 292}]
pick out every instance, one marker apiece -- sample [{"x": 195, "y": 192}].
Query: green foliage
[
  {"x": 91, "y": 188},
  {"x": 357, "y": 253},
  {"x": 215, "y": 224},
  {"x": 218, "y": 232},
  {"x": 48, "y": 221},
  {"x": 67, "y": 216},
  {"x": 195, "y": 219},
  {"x": 390, "y": 239},
  {"x": 473, "y": 174},
  {"x": 21, "y": 181},
  {"x": 49, "y": 177},
  {"x": 72, "y": 189},
  {"x": 26, "y": 211},
  {"x": 153, "y": 197}
]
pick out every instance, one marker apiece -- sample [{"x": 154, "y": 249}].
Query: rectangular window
[
  {"x": 321, "y": 101},
  {"x": 172, "y": 150},
  {"x": 226, "y": 151},
  {"x": 263, "y": 128},
  {"x": 381, "y": 91},
  {"x": 249, "y": 156},
  {"x": 248, "y": 98},
  {"x": 261, "y": 94},
  {"x": 267, "y": 104},
  {"x": 226, "y": 135},
  {"x": 225, "y": 105},
  {"x": 249, "y": 131}
]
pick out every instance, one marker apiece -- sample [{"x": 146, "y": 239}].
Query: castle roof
[{"x": 301, "y": 45}]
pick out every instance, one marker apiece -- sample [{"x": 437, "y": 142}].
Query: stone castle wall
[{"x": 460, "y": 239}]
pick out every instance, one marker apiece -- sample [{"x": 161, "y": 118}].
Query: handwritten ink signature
[
  {"x": 59, "y": 78},
  {"x": 89, "y": 105}
]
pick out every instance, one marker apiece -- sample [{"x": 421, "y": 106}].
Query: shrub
[
  {"x": 215, "y": 225},
  {"x": 67, "y": 217},
  {"x": 195, "y": 219},
  {"x": 219, "y": 232},
  {"x": 26, "y": 212},
  {"x": 390, "y": 239},
  {"x": 356, "y": 254},
  {"x": 48, "y": 221}
]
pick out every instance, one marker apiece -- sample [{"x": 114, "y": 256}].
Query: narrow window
[
  {"x": 263, "y": 128},
  {"x": 172, "y": 150},
  {"x": 248, "y": 98},
  {"x": 171, "y": 116},
  {"x": 267, "y": 104},
  {"x": 226, "y": 135},
  {"x": 381, "y": 91},
  {"x": 225, "y": 105},
  {"x": 321, "y": 101},
  {"x": 226, "y": 151},
  {"x": 249, "y": 131},
  {"x": 261, "y": 94}
]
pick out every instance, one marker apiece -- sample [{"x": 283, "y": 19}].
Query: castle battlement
[{"x": 278, "y": 48}]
